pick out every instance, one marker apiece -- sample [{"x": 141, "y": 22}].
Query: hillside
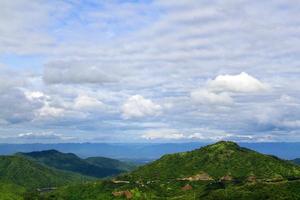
[
  {"x": 9, "y": 191},
  {"x": 219, "y": 171},
  {"x": 29, "y": 174},
  {"x": 220, "y": 160},
  {"x": 95, "y": 167},
  {"x": 110, "y": 163}
]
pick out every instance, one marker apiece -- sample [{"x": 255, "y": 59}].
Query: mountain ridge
[
  {"x": 28, "y": 174},
  {"x": 73, "y": 163}
]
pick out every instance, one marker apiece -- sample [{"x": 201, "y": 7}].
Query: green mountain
[
  {"x": 19, "y": 174},
  {"x": 95, "y": 167},
  {"x": 217, "y": 161},
  {"x": 219, "y": 171},
  {"x": 29, "y": 174}
]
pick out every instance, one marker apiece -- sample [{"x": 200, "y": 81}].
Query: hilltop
[{"x": 216, "y": 161}]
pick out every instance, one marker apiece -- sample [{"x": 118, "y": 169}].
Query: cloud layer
[{"x": 150, "y": 70}]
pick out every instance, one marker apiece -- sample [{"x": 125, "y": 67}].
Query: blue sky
[{"x": 149, "y": 71}]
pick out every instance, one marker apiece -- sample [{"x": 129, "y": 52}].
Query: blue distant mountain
[{"x": 145, "y": 151}]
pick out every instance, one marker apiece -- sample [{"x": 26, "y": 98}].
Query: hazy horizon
[{"x": 146, "y": 150}]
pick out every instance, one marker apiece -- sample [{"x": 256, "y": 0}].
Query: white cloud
[
  {"x": 242, "y": 82},
  {"x": 50, "y": 111},
  {"x": 162, "y": 134},
  {"x": 210, "y": 136},
  {"x": 203, "y": 134},
  {"x": 83, "y": 102},
  {"x": 219, "y": 91},
  {"x": 42, "y": 135},
  {"x": 137, "y": 106},
  {"x": 207, "y": 97},
  {"x": 35, "y": 95}
]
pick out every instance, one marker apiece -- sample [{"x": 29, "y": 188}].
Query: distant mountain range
[
  {"x": 223, "y": 170},
  {"x": 144, "y": 152}
]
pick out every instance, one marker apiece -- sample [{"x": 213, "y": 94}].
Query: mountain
[
  {"x": 111, "y": 163},
  {"x": 29, "y": 174},
  {"x": 222, "y": 170},
  {"x": 95, "y": 167},
  {"x": 216, "y": 161}
]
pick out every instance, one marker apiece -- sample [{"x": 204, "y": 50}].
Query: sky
[{"x": 149, "y": 71}]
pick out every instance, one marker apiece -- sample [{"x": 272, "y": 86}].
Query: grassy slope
[{"x": 71, "y": 162}]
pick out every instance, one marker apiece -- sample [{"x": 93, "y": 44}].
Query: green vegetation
[
  {"x": 270, "y": 191},
  {"x": 175, "y": 190},
  {"x": 9, "y": 191},
  {"x": 18, "y": 175},
  {"x": 218, "y": 160},
  {"x": 29, "y": 174},
  {"x": 109, "y": 163},
  {"x": 219, "y": 171},
  {"x": 98, "y": 167}
]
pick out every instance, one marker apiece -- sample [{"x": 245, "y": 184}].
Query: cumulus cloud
[
  {"x": 219, "y": 91},
  {"x": 137, "y": 106},
  {"x": 33, "y": 95},
  {"x": 46, "y": 109},
  {"x": 16, "y": 108},
  {"x": 242, "y": 82},
  {"x": 50, "y": 111}
]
